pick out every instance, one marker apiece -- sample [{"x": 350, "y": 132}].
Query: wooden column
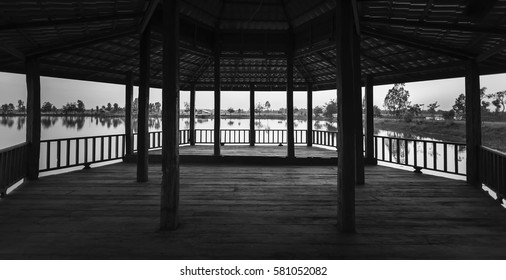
[
  {"x": 217, "y": 95},
  {"x": 129, "y": 95},
  {"x": 252, "y": 115},
  {"x": 357, "y": 92},
  {"x": 369, "y": 124},
  {"x": 33, "y": 117},
  {"x": 143, "y": 110},
  {"x": 289, "y": 97},
  {"x": 473, "y": 123},
  {"x": 170, "y": 117},
  {"x": 345, "y": 99},
  {"x": 192, "y": 115},
  {"x": 309, "y": 132}
]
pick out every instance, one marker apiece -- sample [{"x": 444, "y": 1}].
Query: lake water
[{"x": 12, "y": 131}]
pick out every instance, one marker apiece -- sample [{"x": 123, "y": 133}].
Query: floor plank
[{"x": 249, "y": 212}]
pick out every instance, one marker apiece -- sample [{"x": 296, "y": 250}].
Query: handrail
[
  {"x": 13, "y": 165},
  {"x": 421, "y": 154},
  {"x": 64, "y": 153},
  {"x": 448, "y": 156},
  {"x": 493, "y": 171}
]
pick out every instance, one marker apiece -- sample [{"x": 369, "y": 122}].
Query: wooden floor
[
  {"x": 249, "y": 212},
  {"x": 258, "y": 150}
]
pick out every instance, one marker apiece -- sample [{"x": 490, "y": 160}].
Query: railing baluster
[
  {"x": 117, "y": 146},
  {"x": 434, "y": 149},
  {"x": 102, "y": 140},
  {"x": 456, "y": 158},
  {"x": 48, "y": 154},
  {"x": 445, "y": 157},
  {"x": 58, "y": 153},
  {"x": 67, "y": 153},
  {"x": 77, "y": 151},
  {"x": 424, "y": 154},
  {"x": 94, "y": 149}
]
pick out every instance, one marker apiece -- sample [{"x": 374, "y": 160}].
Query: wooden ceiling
[{"x": 401, "y": 41}]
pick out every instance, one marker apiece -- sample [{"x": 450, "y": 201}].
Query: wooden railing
[
  {"x": 325, "y": 138},
  {"x": 421, "y": 154},
  {"x": 71, "y": 152},
  {"x": 13, "y": 166},
  {"x": 493, "y": 171}
]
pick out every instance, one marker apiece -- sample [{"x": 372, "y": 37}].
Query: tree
[
  {"x": 115, "y": 107},
  {"x": 47, "y": 107},
  {"x": 267, "y": 105},
  {"x": 459, "y": 107},
  {"x": 259, "y": 108},
  {"x": 415, "y": 109},
  {"x": 449, "y": 115},
  {"x": 5, "y": 108},
  {"x": 230, "y": 110},
  {"x": 376, "y": 111},
  {"x": 396, "y": 100},
  {"x": 80, "y": 106},
  {"x": 97, "y": 109},
  {"x": 330, "y": 109},
  {"x": 135, "y": 105},
  {"x": 432, "y": 109},
  {"x": 317, "y": 111},
  {"x": 109, "y": 106},
  {"x": 498, "y": 100},
  {"x": 158, "y": 107},
  {"x": 21, "y": 106}
]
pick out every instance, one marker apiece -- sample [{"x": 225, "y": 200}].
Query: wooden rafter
[
  {"x": 59, "y": 22},
  {"x": 417, "y": 44},
  {"x": 466, "y": 27},
  {"x": 153, "y": 4}
]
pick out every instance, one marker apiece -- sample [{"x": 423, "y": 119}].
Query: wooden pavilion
[{"x": 252, "y": 45}]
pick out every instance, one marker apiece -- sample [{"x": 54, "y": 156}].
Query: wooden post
[
  {"x": 289, "y": 97},
  {"x": 357, "y": 92},
  {"x": 143, "y": 110},
  {"x": 252, "y": 115},
  {"x": 192, "y": 115},
  {"x": 129, "y": 94},
  {"x": 170, "y": 117},
  {"x": 33, "y": 117},
  {"x": 309, "y": 132},
  {"x": 217, "y": 95},
  {"x": 473, "y": 123},
  {"x": 345, "y": 99},
  {"x": 369, "y": 124}
]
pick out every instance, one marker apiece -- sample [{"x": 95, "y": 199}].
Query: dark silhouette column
[
  {"x": 357, "y": 93},
  {"x": 192, "y": 115},
  {"x": 309, "y": 132},
  {"x": 345, "y": 99},
  {"x": 473, "y": 123},
  {"x": 129, "y": 94},
  {"x": 369, "y": 124},
  {"x": 289, "y": 97},
  {"x": 252, "y": 115},
  {"x": 217, "y": 96},
  {"x": 170, "y": 116},
  {"x": 143, "y": 110},
  {"x": 33, "y": 117}
]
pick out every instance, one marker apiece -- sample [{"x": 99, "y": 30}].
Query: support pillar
[
  {"x": 170, "y": 117},
  {"x": 289, "y": 97},
  {"x": 309, "y": 132},
  {"x": 192, "y": 115},
  {"x": 217, "y": 96},
  {"x": 129, "y": 94},
  {"x": 345, "y": 100},
  {"x": 473, "y": 123},
  {"x": 33, "y": 117},
  {"x": 143, "y": 110},
  {"x": 357, "y": 93},
  {"x": 252, "y": 115},
  {"x": 369, "y": 124}
]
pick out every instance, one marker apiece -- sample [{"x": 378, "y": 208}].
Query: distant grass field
[{"x": 493, "y": 133}]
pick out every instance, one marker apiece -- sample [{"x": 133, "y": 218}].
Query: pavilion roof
[{"x": 401, "y": 41}]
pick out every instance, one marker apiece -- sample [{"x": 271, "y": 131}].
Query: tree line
[
  {"x": 78, "y": 107},
  {"x": 397, "y": 104}
]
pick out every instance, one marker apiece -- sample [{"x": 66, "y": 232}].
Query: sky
[{"x": 61, "y": 91}]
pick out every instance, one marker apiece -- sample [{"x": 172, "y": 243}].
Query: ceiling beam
[
  {"x": 148, "y": 14},
  {"x": 466, "y": 27},
  {"x": 417, "y": 44},
  {"x": 88, "y": 40},
  {"x": 493, "y": 51},
  {"x": 59, "y": 22},
  {"x": 12, "y": 51}
]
